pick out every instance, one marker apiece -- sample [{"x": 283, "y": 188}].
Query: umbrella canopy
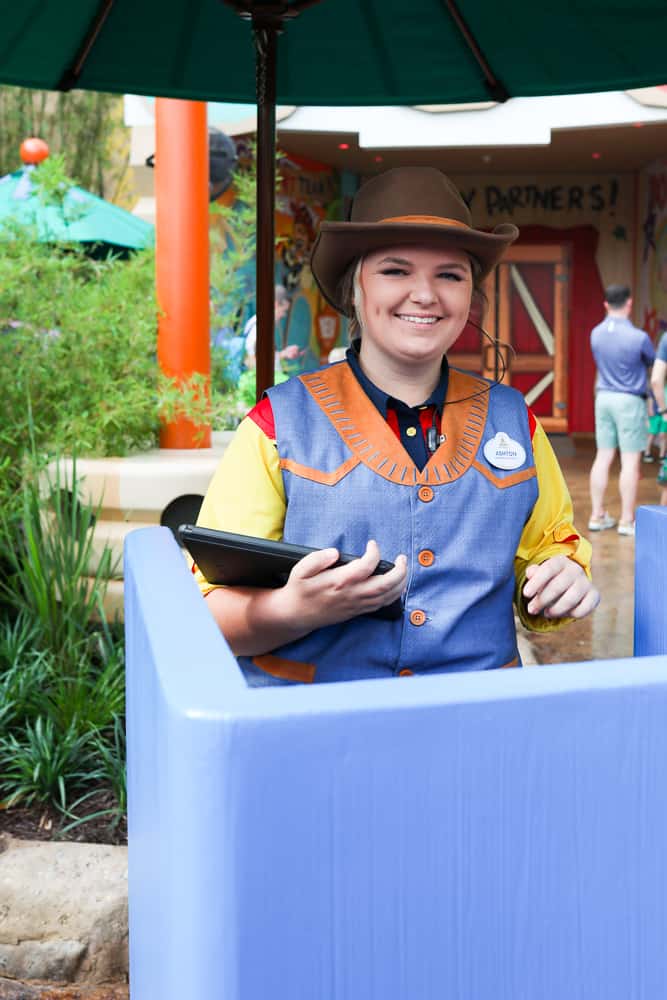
[
  {"x": 83, "y": 217},
  {"x": 338, "y": 51},
  {"x": 331, "y": 52}
]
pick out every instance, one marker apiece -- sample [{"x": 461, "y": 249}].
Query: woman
[{"x": 392, "y": 454}]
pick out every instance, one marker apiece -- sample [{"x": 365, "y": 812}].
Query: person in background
[
  {"x": 622, "y": 354},
  {"x": 658, "y": 378},
  {"x": 281, "y": 308},
  {"x": 391, "y": 453},
  {"x": 246, "y": 382},
  {"x": 657, "y": 426}
]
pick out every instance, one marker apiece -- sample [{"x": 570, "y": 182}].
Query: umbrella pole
[
  {"x": 268, "y": 20},
  {"x": 265, "y": 32}
]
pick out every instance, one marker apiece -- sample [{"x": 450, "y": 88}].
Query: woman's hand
[
  {"x": 256, "y": 620},
  {"x": 319, "y": 593},
  {"x": 559, "y": 588}
]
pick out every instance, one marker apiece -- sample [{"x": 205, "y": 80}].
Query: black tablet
[{"x": 246, "y": 561}]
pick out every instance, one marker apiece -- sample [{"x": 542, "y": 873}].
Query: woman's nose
[{"x": 422, "y": 292}]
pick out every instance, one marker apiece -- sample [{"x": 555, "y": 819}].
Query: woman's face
[{"x": 415, "y": 302}]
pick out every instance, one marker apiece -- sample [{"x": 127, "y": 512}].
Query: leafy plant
[
  {"x": 52, "y": 183},
  {"x": 111, "y": 772},
  {"x": 232, "y": 251},
  {"x": 17, "y": 639},
  {"x": 111, "y": 753},
  {"x": 78, "y": 365},
  {"x": 233, "y": 247},
  {"x": 61, "y": 662},
  {"x": 53, "y": 580},
  {"x": 22, "y": 689},
  {"x": 43, "y": 764}
]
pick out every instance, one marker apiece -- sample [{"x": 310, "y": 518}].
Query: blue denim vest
[{"x": 459, "y": 521}]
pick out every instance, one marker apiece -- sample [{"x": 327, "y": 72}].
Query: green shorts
[
  {"x": 620, "y": 421},
  {"x": 656, "y": 423}
]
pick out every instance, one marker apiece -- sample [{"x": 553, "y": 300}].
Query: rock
[
  {"x": 12, "y": 990},
  {"x": 63, "y": 913}
]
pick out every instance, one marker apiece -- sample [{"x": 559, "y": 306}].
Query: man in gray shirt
[{"x": 622, "y": 353}]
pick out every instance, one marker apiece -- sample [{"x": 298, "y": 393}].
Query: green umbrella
[
  {"x": 337, "y": 51},
  {"x": 82, "y": 217},
  {"x": 330, "y": 52}
]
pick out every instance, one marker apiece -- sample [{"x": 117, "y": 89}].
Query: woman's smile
[
  {"x": 413, "y": 302},
  {"x": 418, "y": 320}
]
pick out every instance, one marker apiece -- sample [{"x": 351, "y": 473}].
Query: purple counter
[{"x": 492, "y": 836}]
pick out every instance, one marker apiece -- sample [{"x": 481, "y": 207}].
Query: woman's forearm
[{"x": 253, "y": 620}]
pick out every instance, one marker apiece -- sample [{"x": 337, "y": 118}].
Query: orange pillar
[{"x": 182, "y": 253}]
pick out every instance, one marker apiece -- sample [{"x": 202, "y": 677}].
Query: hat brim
[{"x": 339, "y": 244}]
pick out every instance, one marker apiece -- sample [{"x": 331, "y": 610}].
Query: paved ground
[{"x": 607, "y": 633}]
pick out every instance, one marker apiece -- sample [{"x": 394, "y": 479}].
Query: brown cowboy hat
[{"x": 402, "y": 207}]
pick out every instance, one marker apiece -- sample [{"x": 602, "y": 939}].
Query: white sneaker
[
  {"x": 600, "y": 524},
  {"x": 626, "y": 529}
]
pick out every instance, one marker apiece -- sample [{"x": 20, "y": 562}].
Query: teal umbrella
[
  {"x": 82, "y": 217},
  {"x": 330, "y": 52}
]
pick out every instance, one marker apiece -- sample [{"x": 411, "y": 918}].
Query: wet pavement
[{"x": 608, "y": 632}]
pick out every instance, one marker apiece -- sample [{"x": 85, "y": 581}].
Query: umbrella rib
[
  {"x": 70, "y": 77},
  {"x": 497, "y": 89}
]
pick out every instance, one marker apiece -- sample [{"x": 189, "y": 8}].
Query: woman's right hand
[
  {"x": 257, "y": 620},
  {"x": 319, "y": 593}
]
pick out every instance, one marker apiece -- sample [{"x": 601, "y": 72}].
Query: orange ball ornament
[{"x": 34, "y": 150}]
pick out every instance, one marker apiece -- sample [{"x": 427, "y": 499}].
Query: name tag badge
[{"x": 504, "y": 453}]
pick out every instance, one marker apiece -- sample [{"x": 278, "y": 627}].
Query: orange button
[
  {"x": 425, "y": 493},
  {"x": 405, "y": 672},
  {"x": 426, "y": 557},
  {"x": 417, "y": 617}
]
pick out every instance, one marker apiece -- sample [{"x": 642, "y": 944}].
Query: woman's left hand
[{"x": 559, "y": 588}]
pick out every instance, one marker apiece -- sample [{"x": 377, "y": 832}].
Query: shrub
[
  {"x": 61, "y": 661},
  {"x": 78, "y": 341}
]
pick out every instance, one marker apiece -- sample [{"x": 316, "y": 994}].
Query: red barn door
[{"x": 527, "y": 299}]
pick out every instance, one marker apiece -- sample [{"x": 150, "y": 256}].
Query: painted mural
[
  {"x": 309, "y": 192},
  {"x": 592, "y": 216},
  {"x": 652, "y": 249},
  {"x": 563, "y": 201}
]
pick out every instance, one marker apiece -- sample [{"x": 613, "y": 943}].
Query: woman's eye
[
  {"x": 393, "y": 271},
  {"x": 451, "y": 276}
]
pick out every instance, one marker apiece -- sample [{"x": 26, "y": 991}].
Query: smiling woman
[
  {"x": 391, "y": 453},
  {"x": 412, "y": 304}
]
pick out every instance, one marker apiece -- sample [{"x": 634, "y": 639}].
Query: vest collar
[{"x": 368, "y": 436}]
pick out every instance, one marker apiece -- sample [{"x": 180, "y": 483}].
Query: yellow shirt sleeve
[
  {"x": 246, "y": 494},
  {"x": 549, "y": 531}
]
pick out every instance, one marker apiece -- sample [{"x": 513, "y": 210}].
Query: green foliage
[
  {"x": 61, "y": 661},
  {"x": 232, "y": 251},
  {"x": 111, "y": 771},
  {"x": 52, "y": 183},
  {"x": 49, "y": 581},
  {"x": 86, "y": 127},
  {"x": 232, "y": 248},
  {"x": 43, "y": 763},
  {"x": 78, "y": 368}
]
